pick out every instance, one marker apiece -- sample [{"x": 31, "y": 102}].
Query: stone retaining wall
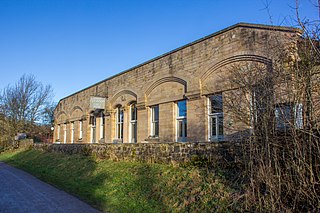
[{"x": 175, "y": 153}]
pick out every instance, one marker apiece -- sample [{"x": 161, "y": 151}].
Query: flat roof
[{"x": 241, "y": 24}]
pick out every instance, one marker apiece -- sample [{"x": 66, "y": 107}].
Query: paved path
[{"x": 21, "y": 192}]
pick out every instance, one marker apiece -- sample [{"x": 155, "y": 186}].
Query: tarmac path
[{"x": 21, "y": 192}]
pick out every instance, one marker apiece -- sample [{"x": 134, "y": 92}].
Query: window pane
[
  {"x": 102, "y": 119},
  {"x": 156, "y": 129},
  {"x": 121, "y": 115},
  {"x": 213, "y": 126},
  {"x": 133, "y": 112},
  {"x": 182, "y": 108},
  {"x": 155, "y": 113},
  {"x": 134, "y": 132},
  {"x": 91, "y": 120},
  {"x": 216, "y": 103},
  {"x": 180, "y": 128},
  {"x": 299, "y": 116},
  {"x": 118, "y": 130},
  {"x": 185, "y": 129},
  {"x": 283, "y": 116}
]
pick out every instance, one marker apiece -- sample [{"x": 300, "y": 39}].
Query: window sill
[
  {"x": 117, "y": 141},
  {"x": 153, "y": 139}
]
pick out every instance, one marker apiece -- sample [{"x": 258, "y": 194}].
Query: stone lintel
[
  {"x": 193, "y": 95},
  {"x": 141, "y": 106}
]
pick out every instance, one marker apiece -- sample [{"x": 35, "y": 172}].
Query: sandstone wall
[{"x": 191, "y": 72}]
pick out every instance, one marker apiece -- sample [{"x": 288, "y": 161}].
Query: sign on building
[{"x": 97, "y": 103}]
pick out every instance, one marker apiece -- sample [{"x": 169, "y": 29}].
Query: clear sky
[{"x": 72, "y": 44}]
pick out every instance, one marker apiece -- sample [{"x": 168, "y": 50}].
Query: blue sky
[{"x": 72, "y": 44}]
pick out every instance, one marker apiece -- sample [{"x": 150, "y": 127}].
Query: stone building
[{"x": 178, "y": 96}]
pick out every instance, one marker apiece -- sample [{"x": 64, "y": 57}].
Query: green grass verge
[{"x": 127, "y": 186}]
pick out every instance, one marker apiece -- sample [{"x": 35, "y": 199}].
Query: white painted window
[
  {"x": 101, "y": 125},
  {"x": 215, "y": 117},
  {"x": 58, "y": 132},
  {"x": 72, "y": 132},
  {"x": 155, "y": 121},
  {"x": 93, "y": 128},
  {"x": 298, "y": 114},
  {"x": 119, "y": 123},
  {"x": 133, "y": 123},
  {"x": 80, "y": 129},
  {"x": 64, "y": 133},
  {"x": 181, "y": 121},
  {"x": 288, "y": 115}
]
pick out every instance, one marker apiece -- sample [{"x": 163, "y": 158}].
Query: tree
[
  {"x": 25, "y": 104},
  {"x": 282, "y": 107}
]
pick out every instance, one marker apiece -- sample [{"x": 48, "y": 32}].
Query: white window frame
[
  {"x": 295, "y": 118},
  {"x": 64, "y": 133},
  {"x": 133, "y": 124},
  {"x": 218, "y": 116},
  {"x": 183, "y": 121},
  {"x": 72, "y": 132},
  {"x": 93, "y": 129},
  {"x": 58, "y": 133},
  {"x": 298, "y": 115},
  {"x": 119, "y": 123},
  {"x": 102, "y": 125},
  {"x": 80, "y": 129},
  {"x": 154, "y": 123}
]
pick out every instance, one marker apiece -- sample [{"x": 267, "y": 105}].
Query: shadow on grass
[{"x": 108, "y": 186}]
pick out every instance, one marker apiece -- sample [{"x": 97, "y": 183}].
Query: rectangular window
[
  {"x": 119, "y": 123},
  {"x": 215, "y": 117},
  {"x": 72, "y": 132},
  {"x": 181, "y": 121},
  {"x": 80, "y": 129},
  {"x": 65, "y": 133},
  {"x": 288, "y": 115},
  {"x": 93, "y": 128},
  {"x": 101, "y": 125},
  {"x": 298, "y": 114},
  {"x": 155, "y": 121},
  {"x": 283, "y": 116},
  {"x": 133, "y": 123},
  {"x": 58, "y": 132}
]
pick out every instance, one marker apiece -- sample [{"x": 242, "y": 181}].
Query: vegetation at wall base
[{"x": 129, "y": 186}]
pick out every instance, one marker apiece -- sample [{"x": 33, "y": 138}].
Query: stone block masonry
[
  {"x": 167, "y": 153},
  {"x": 141, "y": 104}
]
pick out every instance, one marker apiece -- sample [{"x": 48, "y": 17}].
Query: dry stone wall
[{"x": 168, "y": 153}]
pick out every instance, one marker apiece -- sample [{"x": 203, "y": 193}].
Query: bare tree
[
  {"x": 25, "y": 103},
  {"x": 281, "y": 104}
]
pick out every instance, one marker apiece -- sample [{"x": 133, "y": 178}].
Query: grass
[{"x": 127, "y": 186}]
